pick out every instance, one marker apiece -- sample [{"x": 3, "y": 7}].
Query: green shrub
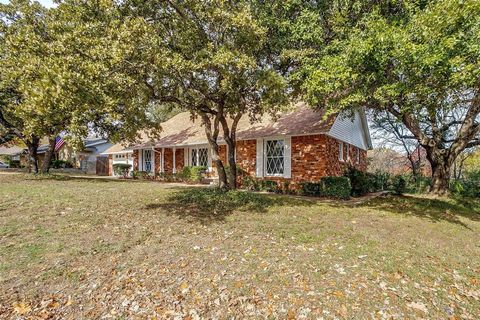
[
  {"x": 380, "y": 180},
  {"x": 469, "y": 186},
  {"x": 121, "y": 169},
  {"x": 419, "y": 184},
  {"x": 399, "y": 184},
  {"x": 57, "y": 164},
  {"x": 255, "y": 184},
  {"x": 361, "y": 182},
  {"x": 13, "y": 163},
  {"x": 250, "y": 183},
  {"x": 269, "y": 186},
  {"x": 192, "y": 173},
  {"x": 142, "y": 175},
  {"x": 335, "y": 187},
  {"x": 168, "y": 176}
]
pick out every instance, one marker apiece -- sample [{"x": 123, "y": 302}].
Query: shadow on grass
[
  {"x": 208, "y": 205},
  {"x": 433, "y": 209}
]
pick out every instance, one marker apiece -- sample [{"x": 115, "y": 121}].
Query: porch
[{"x": 162, "y": 160}]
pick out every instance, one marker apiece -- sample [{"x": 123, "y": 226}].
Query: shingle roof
[
  {"x": 11, "y": 150},
  {"x": 117, "y": 148},
  {"x": 181, "y": 130}
]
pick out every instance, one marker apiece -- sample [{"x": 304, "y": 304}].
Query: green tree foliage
[
  {"x": 209, "y": 58},
  {"x": 418, "y": 61},
  {"x": 67, "y": 70}
]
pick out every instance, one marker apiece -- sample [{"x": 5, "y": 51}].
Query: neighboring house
[
  {"x": 299, "y": 146},
  {"x": 13, "y": 153},
  {"x": 118, "y": 154},
  {"x": 89, "y": 160}
]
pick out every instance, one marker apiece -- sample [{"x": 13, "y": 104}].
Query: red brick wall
[
  {"x": 246, "y": 153},
  {"x": 168, "y": 161},
  {"x": 313, "y": 157},
  {"x": 179, "y": 159},
  {"x": 135, "y": 159},
  {"x": 158, "y": 159},
  {"x": 110, "y": 165}
]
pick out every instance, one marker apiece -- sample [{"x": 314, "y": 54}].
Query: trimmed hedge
[
  {"x": 192, "y": 173},
  {"x": 335, "y": 187},
  {"x": 121, "y": 169}
]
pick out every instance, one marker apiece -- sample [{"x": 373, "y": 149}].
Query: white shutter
[
  {"x": 140, "y": 160},
  {"x": 153, "y": 160},
  {"x": 185, "y": 157},
  {"x": 259, "y": 159},
  {"x": 210, "y": 166},
  {"x": 287, "y": 158}
]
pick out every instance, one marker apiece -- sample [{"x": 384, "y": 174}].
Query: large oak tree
[
  {"x": 420, "y": 64},
  {"x": 67, "y": 70},
  {"x": 210, "y": 58}
]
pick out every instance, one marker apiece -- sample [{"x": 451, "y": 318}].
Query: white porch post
[
  {"x": 174, "y": 165},
  {"x": 162, "y": 161},
  {"x": 153, "y": 160}
]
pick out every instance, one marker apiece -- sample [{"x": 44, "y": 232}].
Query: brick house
[{"x": 301, "y": 145}]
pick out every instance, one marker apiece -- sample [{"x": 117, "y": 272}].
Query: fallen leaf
[
  {"x": 21, "y": 308},
  {"x": 418, "y": 306}
]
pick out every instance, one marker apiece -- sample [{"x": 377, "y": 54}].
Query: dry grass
[{"x": 91, "y": 249}]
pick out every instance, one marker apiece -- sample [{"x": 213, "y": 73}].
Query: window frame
[
  {"x": 358, "y": 155},
  {"x": 196, "y": 150},
  {"x": 144, "y": 160},
  {"x": 265, "y": 157},
  {"x": 341, "y": 155}
]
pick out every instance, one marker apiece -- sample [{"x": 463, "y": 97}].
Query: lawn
[{"x": 83, "y": 249}]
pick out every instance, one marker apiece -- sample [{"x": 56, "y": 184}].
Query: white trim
[
  {"x": 259, "y": 158},
  {"x": 162, "y": 161},
  {"x": 116, "y": 152},
  {"x": 265, "y": 173},
  {"x": 287, "y": 158},
  {"x": 185, "y": 157},
  {"x": 153, "y": 160},
  {"x": 340, "y": 151},
  {"x": 174, "y": 170}
]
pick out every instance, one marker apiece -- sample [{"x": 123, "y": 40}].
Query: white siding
[
  {"x": 259, "y": 159},
  {"x": 185, "y": 157},
  {"x": 288, "y": 158},
  {"x": 128, "y": 159},
  {"x": 350, "y": 130}
]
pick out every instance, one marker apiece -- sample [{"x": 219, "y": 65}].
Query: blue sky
[{"x": 46, "y": 3}]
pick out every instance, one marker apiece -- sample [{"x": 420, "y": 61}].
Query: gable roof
[
  {"x": 182, "y": 130},
  {"x": 11, "y": 150}
]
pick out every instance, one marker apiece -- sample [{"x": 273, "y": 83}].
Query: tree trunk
[
  {"x": 222, "y": 175},
  {"x": 32, "y": 147},
  {"x": 229, "y": 135},
  {"x": 440, "y": 178},
  {"x": 211, "y": 131},
  {"x": 48, "y": 155},
  {"x": 232, "y": 182}
]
